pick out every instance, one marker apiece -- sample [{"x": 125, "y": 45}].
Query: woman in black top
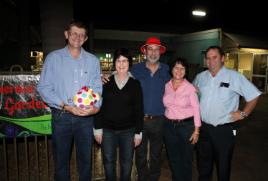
[{"x": 120, "y": 121}]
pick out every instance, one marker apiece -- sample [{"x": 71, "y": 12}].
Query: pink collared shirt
[{"x": 182, "y": 103}]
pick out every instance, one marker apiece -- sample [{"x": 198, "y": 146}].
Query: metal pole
[
  {"x": 5, "y": 158},
  {"x": 46, "y": 156},
  {"x": 26, "y": 157},
  {"x": 16, "y": 159},
  {"x": 36, "y": 156}
]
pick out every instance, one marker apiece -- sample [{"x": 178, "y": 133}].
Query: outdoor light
[{"x": 199, "y": 13}]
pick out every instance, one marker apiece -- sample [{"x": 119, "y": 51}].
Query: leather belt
[
  {"x": 233, "y": 125},
  {"x": 181, "y": 120},
  {"x": 56, "y": 110},
  {"x": 148, "y": 118}
]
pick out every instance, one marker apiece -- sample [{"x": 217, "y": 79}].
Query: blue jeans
[
  {"x": 124, "y": 139},
  {"x": 67, "y": 128},
  {"x": 179, "y": 148},
  {"x": 153, "y": 134}
]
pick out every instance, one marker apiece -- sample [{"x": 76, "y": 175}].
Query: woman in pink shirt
[{"x": 182, "y": 121}]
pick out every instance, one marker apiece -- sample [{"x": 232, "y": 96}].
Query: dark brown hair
[
  {"x": 122, "y": 52},
  {"x": 220, "y": 50},
  {"x": 76, "y": 23},
  {"x": 183, "y": 62}
]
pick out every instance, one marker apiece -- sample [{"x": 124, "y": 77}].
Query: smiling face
[
  {"x": 152, "y": 53},
  {"x": 178, "y": 71},
  {"x": 214, "y": 61},
  {"x": 76, "y": 37},
  {"x": 121, "y": 65}
]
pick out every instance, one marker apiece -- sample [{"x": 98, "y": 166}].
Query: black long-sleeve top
[{"x": 121, "y": 109}]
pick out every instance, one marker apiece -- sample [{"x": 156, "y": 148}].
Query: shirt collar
[
  {"x": 222, "y": 69},
  {"x": 121, "y": 84},
  {"x": 182, "y": 83},
  {"x": 67, "y": 53}
]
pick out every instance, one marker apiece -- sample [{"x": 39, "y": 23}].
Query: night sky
[
  {"x": 163, "y": 16},
  {"x": 240, "y": 17},
  {"x": 171, "y": 16}
]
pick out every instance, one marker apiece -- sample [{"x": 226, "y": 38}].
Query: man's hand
[
  {"x": 105, "y": 78},
  {"x": 250, "y": 105},
  {"x": 81, "y": 112},
  {"x": 236, "y": 116},
  {"x": 92, "y": 110}
]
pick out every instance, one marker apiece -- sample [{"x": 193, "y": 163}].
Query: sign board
[{"x": 22, "y": 111}]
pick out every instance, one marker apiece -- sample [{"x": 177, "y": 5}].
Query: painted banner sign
[{"x": 22, "y": 111}]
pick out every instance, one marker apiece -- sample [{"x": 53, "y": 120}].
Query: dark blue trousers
[
  {"x": 124, "y": 140},
  {"x": 66, "y": 129},
  {"x": 153, "y": 134},
  {"x": 215, "y": 145},
  {"x": 179, "y": 148}
]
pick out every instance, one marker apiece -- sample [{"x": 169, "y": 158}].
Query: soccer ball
[{"x": 85, "y": 97}]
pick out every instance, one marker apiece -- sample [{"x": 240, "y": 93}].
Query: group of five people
[{"x": 144, "y": 104}]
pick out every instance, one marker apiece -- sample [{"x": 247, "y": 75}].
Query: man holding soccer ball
[{"x": 64, "y": 73}]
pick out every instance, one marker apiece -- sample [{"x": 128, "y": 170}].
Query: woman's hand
[
  {"x": 137, "y": 142},
  {"x": 194, "y": 138},
  {"x": 98, "y": 138}
]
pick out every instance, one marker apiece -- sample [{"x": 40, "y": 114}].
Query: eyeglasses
[{"x": 76, "y": 35}]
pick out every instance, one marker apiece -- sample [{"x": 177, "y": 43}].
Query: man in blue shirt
[
  {"x": 220, "y": 89},
  {"x": 65, "y": 72},
  {"x": 153, "y": 76}
]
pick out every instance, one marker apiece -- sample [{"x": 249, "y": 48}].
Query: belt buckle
[{"x": 148, "y": 118}]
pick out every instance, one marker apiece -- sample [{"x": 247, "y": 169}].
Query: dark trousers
[
  {"x": 179, "y": 148},
  {"x": 67, "y": 128},
  {"x": 215, "y": 144},
  {"x": 124, "y": 140},
  {"x": 153, "y": 134}
]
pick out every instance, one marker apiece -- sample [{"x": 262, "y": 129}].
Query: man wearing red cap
[{"x": 153, "y": 76}]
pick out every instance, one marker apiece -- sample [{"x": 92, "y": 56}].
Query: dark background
[
  {"x": 243, "y": 17},
  {"x": 163, "y": 16},
  {"x": 171, "y": 16}
]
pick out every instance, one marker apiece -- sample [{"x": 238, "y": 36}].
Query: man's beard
[{"x": 152, "y": 60}]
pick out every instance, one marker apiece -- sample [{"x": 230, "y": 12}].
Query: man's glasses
[{"x": 76, "y": 35}]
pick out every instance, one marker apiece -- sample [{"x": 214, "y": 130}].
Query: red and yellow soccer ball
[{"x": 85, "y": 97}]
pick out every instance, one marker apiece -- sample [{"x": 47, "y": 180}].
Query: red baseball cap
[{"x": 153, "y": 41}]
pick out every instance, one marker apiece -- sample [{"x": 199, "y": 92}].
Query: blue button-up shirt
[
  {"x": 62, "y": 76},
  {"x": 219, "y": 95},
  {"x": 153, "y": 86}
]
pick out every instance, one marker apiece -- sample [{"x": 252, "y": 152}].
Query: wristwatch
[{"x": 243, "y": 115}]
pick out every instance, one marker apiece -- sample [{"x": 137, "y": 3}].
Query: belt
[
  {"x": 180, "y": 120},
  {"x": 148, "y": 118},
  {"x": 56, "y": 110},
  {"x": 234, "y": 125}
]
